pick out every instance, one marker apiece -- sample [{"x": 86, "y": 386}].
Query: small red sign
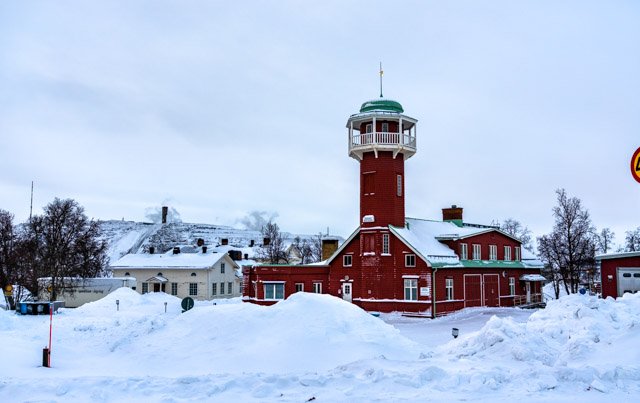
[{"x": 635, "y": 165}]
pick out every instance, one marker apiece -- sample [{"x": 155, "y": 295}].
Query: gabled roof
[
  {"x": 170, "y": 261},
  {"x": 424, "y": 236},
  {"x": 344, "y": 245}
]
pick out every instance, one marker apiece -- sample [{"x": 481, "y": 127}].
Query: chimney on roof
[
  {"x": 200, "y": 242},
  {"x": 329, "y": 246},
  {"x": 151, "y": 249},
  {"x": 176, "y": 250},
  {"x": 165, "y": 210},
  {"x": 204, "y": 249},
  {"x": 452, "y": 214}
]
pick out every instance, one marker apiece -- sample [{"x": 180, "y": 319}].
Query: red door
[
  {"x": 472, "y": 290},
  {"x": 491, "y": 295}
]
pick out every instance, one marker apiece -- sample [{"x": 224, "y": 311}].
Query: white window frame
[
  {"x": 174, "y": 288},
  {"x": 271, "y": 289},
  {"x": 449, "y": 289},
  {"x": 222, "y": 267},
  {"x": 214, "y": 289},
  {"x": 493, "y": 252},
  {"x": 385, "y": 127},
  {"x": 317, "y": 287},
  {"x": 347, "y": 260},
  {"x": 385, "y": 243},
  {"x": 230, "y": 288},
  {"x": 512, "y": 286},
  {"x": 399, "y": 183},
  {"x": 517, "y": 251},
  {"x": 368, "y": 128},
  {"x": 222, "y": 288},
  {"x": 464, "y": 251},
  {"x": 410, "y": 260},
  {"x": 477, "y": 251},
  {"x": 507, "y": 253},
  {"x": 299, "y": 287},
  {"x": 411, "y": 289},
  {"x": 193, "y": 289},
  {"x": 145, "y": 288}
]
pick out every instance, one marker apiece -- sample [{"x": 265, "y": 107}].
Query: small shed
[{"x": 620, "y": 273}]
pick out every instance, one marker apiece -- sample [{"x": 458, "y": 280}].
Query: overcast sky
[{"x": 223, "y": 108}]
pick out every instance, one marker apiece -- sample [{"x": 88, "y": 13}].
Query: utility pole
[{"x": 31, "y": 207}]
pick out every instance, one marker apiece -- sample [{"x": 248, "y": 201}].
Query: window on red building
[
  {"x": 517, "y": 250},
  {"x": 347, "y": 260},
  {"x": 369, "y": 179},
  {"x": 476, "y": 252},
  {"x": 410, "y": 260},
  {"x": 411, "y": 289},
  {"x": 449, "y": 289},
  {"x": 464, "y": 255},
  {"x": 493, "y": 252},
  {"x": 385, "y": 243},
  {"x": 507, "y": 253}
]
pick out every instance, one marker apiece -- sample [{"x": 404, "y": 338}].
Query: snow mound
[
  {"x": 306, "y": 332},
  {"x": 577, "y": 338}
]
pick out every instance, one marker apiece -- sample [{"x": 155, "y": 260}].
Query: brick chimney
[
  {"x": 165, "y": 210},
  {"x": 329, "y": 246},
  {"x": 453, "y": 214}
]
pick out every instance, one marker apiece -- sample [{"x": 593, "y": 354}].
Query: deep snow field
[{"x": 318, "y": 348}]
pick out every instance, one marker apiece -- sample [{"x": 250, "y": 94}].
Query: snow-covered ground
[{"x": 318, "y": 347}]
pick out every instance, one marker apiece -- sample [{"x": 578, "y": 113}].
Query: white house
[{"x": 200, "y": 276}]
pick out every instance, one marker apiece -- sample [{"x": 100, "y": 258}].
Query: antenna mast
[
  {"x": 380, "y": 79},
  {"x": 31, "y": 207}
]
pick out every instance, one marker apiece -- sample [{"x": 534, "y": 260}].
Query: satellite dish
[{"x": 187, "y": 303}]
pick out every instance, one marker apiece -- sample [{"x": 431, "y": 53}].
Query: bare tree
[
  {"x": 604, "y": 240},
  {"x": 66, "y": 245},
  {"x": 316, "y": 248},
  {"x": 570, "y": 248},
  {"x": 304, "y": 248},
  {"x": 516, "y": 230},
  {"x": 632, "y": 241},
  {"x": 272, "y": 251},
  {"x": 8, "y": 252}
]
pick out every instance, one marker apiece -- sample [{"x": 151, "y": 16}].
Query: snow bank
[
  {"x": 577, "y": 338},
  {"x": 306, "y": 332}
]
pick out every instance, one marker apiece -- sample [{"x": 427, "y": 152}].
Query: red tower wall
[{"x": 378, "y": 189}]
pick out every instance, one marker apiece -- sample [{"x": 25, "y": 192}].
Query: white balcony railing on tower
[{"x": 383, "y": 138}]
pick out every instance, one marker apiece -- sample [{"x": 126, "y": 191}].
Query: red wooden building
[
  {"x": 620, "y": 273},
  {"x": 395, "y": 263}
]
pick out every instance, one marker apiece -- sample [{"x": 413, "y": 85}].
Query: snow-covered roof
[
  {"x": 532, "y": 277},
  {"x": 169, "y": 260},
  {"x": 420, "y": 235},
  {"x": 617, "y": 255},
  {"x": 424, "y": 236}
]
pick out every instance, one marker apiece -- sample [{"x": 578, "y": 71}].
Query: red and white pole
[{"x": 50, "y": 330}]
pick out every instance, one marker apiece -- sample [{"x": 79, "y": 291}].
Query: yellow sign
[
  {"x": 49, "y": 288},
  {"x": 8, "y": 288},
  {"x": 635, "y": 165}
]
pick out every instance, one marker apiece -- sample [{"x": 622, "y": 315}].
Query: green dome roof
[{"x": 381, "y": 104}]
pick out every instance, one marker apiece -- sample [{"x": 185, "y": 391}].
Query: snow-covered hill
[{"x": 136, "y": 237}]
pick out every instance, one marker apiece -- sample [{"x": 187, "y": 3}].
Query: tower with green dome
[{"x": 381, "y": 138}]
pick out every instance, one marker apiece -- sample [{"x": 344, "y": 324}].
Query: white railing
[{"x": 383, "y": 138}]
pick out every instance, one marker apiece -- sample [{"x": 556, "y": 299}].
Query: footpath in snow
[{"x": 579, "y": 348}]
